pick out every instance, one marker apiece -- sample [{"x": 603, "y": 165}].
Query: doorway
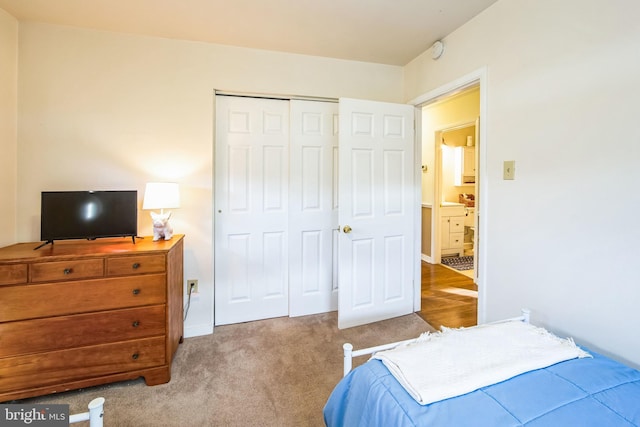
[
  {"x": 450, "y": 142},
  {"x": 457, "y": 190},
  {"x": 458, "y": 105}
]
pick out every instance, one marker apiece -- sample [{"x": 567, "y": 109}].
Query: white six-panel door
[
  {"x": 279, "y": 192},
  {"x": 313, "y": 208},
  {"x": 251, "y": 209},
  {"x": 377, "y": 208}
]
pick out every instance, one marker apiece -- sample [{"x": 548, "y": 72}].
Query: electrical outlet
[{"x": 192, "y": 286}]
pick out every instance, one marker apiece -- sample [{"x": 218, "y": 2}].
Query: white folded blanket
[{"x": 454, "y": 362}]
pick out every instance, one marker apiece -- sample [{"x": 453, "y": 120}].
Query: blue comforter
[{"x": 596, "y": 392}]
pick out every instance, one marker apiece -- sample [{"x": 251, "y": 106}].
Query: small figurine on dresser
[
  {"x": 161, "y": 227},
  {"x": 161, "y": 195}
]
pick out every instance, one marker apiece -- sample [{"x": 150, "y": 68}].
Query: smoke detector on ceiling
[{"x": 437, "y": 49}]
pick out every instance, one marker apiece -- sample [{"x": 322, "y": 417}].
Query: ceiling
[{"x": 382, "y": 31}]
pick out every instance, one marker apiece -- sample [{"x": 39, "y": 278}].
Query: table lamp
[{"x": 161, "y": 195}]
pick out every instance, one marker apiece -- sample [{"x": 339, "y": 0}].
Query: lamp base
[{"x": 162, "y": 230}]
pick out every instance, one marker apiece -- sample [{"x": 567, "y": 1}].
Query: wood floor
[{"x": 447, "y": 297}]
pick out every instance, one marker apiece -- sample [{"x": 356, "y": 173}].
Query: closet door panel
[
  {"x": 313, "y": 208},
  {"x": 251, "y": 209}
]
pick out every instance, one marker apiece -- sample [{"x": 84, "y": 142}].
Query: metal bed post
[
  {"x": 348, "y": 358},
  {"x": 94, "y": 416}
]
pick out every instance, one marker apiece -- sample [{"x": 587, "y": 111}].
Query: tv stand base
[{"x": 43, "y": 244}]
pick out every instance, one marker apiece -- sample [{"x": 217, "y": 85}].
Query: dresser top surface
[{"x": 24, "y": 252}]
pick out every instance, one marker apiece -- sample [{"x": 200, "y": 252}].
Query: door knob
[{"x": 346, "y": 229}]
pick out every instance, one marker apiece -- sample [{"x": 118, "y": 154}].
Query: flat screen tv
[{"x": 88, "y": 215}]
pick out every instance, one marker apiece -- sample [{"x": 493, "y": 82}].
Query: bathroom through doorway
[{"x": 450, "y": 180}]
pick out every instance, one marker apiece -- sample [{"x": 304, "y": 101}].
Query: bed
[{"x": 587, "y": 390}]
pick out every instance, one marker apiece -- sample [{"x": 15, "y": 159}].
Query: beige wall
[
  {"x": 8, "y": 126},
  {"x": 101, "y": 110},
  {"x": 562, "y": 101},
  {"x": 425, "y": 237}
]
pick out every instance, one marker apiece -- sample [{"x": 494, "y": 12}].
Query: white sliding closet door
[
  {"x": 280, "y": 194},
  {"x": 377, "y": 207},
  {"x": 251, "y": 209},
  {"x": 313, "y": 208}
]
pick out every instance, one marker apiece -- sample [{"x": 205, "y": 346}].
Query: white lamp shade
[{"x": 161, "y": 195}]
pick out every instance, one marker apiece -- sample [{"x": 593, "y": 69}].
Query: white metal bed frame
[
  {"x": 94, "y": 416},
  {"x": 350, "y": 353}
]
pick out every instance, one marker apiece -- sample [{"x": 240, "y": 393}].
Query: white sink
[{"x": 470, "y": 218}]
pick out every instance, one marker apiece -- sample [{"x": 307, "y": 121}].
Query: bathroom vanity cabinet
[{"x": 452, "y": 218}]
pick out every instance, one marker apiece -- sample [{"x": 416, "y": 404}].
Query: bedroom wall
[
  {"x": 562, "y": 101},
  {"x": 8, "y": 126},
  {"x": 102, "y": 110}
]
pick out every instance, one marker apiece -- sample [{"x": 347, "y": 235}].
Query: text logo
[{"x": 34, "y": 415}]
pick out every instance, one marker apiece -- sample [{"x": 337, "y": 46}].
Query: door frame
[{"x": 478, "y": 76}]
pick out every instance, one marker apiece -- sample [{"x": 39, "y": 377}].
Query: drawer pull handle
[
  {"x": 136, "y": 265},
  {"x": 135, "y": 356},
  {"x": 135, "y": 324},
  {"x": 136, "y": 291},
  {"x": 67, "y": 271}
]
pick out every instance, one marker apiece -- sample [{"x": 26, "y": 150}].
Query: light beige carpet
[{"x": 276, "y": 372}]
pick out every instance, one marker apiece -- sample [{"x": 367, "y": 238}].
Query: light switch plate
[{"x": 509, "y": 171}]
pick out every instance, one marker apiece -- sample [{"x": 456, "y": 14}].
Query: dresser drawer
[
  {"x": 12, "y": 274},
  {"x": 58, "y": 367},
  {"x": 139, "y": 264},
  {"x": 67, "y": 270},
  {"x": 80, "y": 330},
  {"x": 22, "y": 302}
]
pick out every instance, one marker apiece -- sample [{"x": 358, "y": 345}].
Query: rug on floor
[{"x": 461, "y": 263}]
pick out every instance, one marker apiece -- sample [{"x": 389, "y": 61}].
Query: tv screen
[{"x": 88, "y": 214}]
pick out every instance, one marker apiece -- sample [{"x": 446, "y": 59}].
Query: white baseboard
[
  {"x": 426, "y": 258},
  {"x": 198, "y": 330}
]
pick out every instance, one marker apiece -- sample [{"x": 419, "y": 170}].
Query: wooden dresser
[{"x": 81, "y": 313}]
